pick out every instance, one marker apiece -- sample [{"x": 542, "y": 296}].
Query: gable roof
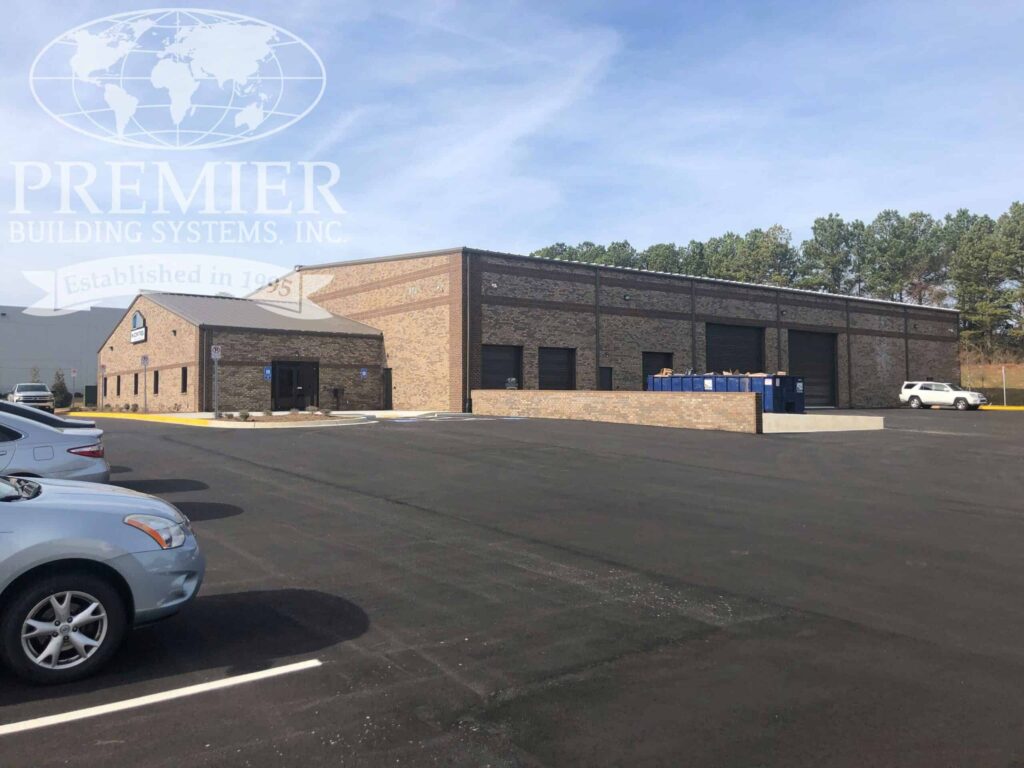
[{"x": 231, "y": 312}]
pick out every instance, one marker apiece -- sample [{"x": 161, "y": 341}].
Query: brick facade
[
  {"x": 437, "y": 309},
  {"x": 171, "y": 344},
  {"x": 246, "y": 352},
  {"x": 729, "y": 412},
  {"x": 417, "y": 303}
]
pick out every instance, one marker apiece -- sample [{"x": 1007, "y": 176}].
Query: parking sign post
[
  {"x": 74, "y": 376},
  {"x": 215, "y": 352}
]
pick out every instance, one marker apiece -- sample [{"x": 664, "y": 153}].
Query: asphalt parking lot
[{"x": 538, "y": 593}]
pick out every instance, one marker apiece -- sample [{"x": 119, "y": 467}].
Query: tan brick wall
[
  {"x": 340, "y": 358},
  {"x": 730, "y": 412},
  {"x": 417, "y": 303},
  {"x": 171, "y": 343}
]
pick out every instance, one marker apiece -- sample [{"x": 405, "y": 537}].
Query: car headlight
[{"x": 167, "y": 533}]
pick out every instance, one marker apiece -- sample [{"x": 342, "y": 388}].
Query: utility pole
[{"x": 215, "y": 353}]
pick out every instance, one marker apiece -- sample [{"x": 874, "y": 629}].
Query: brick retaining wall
[{"x": 727, "y": 411}]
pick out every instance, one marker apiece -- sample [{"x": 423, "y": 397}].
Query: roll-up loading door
[
  {"x": 653, "y": 362},
  {"x": 556, "y": 367},
  {"x": 499, "y": 364},
  {"x": 735, "y": 348},
  {"x": 812, "y": 356}
]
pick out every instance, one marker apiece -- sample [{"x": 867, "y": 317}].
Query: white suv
[{"x": 925, "y": 394}]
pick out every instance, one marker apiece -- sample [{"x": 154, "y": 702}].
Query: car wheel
[
  {"x": 62, "y": 627},
  {"x": 915, "y": 402},
  {"x": 961, "y": 404}
]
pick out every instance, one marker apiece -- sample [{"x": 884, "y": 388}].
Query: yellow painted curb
[
  {"x": 1002, "y": 407},
  {"x": 160, "y": 419}
]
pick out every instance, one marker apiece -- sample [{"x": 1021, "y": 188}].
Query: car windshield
[{"x": 32, "y": 388}]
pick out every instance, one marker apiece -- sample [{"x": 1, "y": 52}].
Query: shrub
[
  {"x": 243, "y": 415},
  {"x": 229, "y": 416},
  {"x": 310, "y": 409},
  {"x": 135, "y": 407},
  {"x": 268, "y": 412},
  {"x": 61, "y": 395},
  {"x": 107, "y": 407},
  {"x": 294, "y": 411}
]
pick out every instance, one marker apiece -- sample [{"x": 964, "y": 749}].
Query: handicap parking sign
[
  {"x": 363, "y": 373},
  {"x": 267, "y": 373}
]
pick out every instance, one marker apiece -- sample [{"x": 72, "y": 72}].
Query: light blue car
[{"x": 80, "y": 564}]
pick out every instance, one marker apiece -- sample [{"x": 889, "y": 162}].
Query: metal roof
[
  {"x": 634, "y": 270},
  {"x": 231, "y": 312}
]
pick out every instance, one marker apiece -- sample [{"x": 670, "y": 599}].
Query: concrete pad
[{"x": 820, "y": 422}]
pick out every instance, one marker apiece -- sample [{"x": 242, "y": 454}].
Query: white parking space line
[{"x": 155, "y": 698}]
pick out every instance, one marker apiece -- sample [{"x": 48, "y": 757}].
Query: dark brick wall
[{"x": 245, "y": 353}]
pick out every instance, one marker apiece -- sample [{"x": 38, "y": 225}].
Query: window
[
  {"x": 156, "y": 382},
  {"x": 135, "y": 384},
  {"x": 556, "y": 368},
  {"x": 118, "y": 384},
  {"x": 184, "y": 378},
  {"x": 604, "y": 378},
  {"x": 104, "y": 386},
  {"x": 8, "y": 435}
]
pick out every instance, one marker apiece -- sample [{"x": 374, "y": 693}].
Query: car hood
[{"x": 72, "y": 495}]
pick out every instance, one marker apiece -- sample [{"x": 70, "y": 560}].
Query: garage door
[
  {"x": 653, "y": 362},
  {"x": 556, "y": 368},
  {"x": 735, "y": 348},
  {"x": 499, "y": 364},
  {"x": 813, "y": 356}
]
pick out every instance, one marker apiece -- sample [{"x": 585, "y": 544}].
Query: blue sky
[{"x": 511, "y": 125}]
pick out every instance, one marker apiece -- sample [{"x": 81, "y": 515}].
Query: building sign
[
  {"x": 215, "y": 351},
  {"x": 138, "y": 328}
]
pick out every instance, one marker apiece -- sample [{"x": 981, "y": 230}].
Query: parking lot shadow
[
  {"x": 240, "y": 631},
  {"x": 164, "y": 485},
  {"x": 200, "y": 511},
  {"x": 119, "y": 469}
]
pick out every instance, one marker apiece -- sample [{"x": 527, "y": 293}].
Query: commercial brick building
[
  {"x": 463, "y": 319},
  {"x": 445, "y": 323},
  {"x": 268, "y": 359}
]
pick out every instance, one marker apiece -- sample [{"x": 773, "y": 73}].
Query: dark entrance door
[
  {"x": 735, "y": 348},
  {"x": 294, "y": 385},
  {"x": 653, "y": 362},
  {"x": 813, "y": 356},
  {"x": 386, "y": 384},
  {"x": 556, "y": 368}
]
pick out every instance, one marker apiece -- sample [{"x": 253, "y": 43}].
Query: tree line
[{"x": 964, "y": 260}]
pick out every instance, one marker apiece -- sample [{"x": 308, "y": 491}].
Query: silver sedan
[
  {"x": 32, "y": 449},
  {"x": 80, "y": 563}
]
